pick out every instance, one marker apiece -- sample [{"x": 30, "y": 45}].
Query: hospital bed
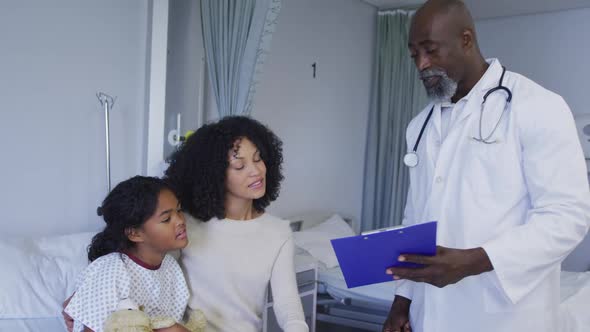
[
  {"x": 365, "y": 308},
  {"x": 33, "y": 325},
  {"x": 39, "y": 273}
]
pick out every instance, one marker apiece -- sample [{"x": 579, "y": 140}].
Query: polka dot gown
[{"x": 115, "y": 277}]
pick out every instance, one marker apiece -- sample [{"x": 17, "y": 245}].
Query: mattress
[
  {"x": 33, "y": 325},
  {"x": 575, "y": 296},
  {"x": 377, "y": 296}
]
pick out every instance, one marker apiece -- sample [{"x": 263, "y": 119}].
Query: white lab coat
[{"x": 525, "y": 200}]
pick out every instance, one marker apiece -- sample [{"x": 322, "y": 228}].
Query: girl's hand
[{"x": 67, "y": 319}]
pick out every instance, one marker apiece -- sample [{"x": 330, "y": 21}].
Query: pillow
[
  {"x": 316, "y": 240},
  {"x": 40, "y": 273},
  {"x": 310, "y": 218}
]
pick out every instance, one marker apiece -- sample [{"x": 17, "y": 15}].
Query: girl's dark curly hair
[
  {"x": 128, "y": 205},
  {"x": 198, "y": 169}
]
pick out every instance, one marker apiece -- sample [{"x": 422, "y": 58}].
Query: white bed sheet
[
  {"x": 575, "y": 295},
  {"x": 33, "y": 325},
  {"x": 575, "y": 300},
  {"x": 379, "y": 295}
]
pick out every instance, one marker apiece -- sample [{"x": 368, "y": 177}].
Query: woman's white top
[{"x": 229, "y": 264}]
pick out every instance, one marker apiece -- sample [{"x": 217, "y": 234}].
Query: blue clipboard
[{"x": 364, "y": 258}]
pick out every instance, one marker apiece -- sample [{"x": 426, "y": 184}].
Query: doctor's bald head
[{"x": 444, "y": 47}]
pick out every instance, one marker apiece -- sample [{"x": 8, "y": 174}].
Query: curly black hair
[
  {"x": 198, "y": 168},
  {"x": 128, "y": 205}
]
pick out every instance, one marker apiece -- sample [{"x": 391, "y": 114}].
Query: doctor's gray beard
[{"x": 444, "y": 90}]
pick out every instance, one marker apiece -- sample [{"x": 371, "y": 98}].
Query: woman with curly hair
[{"x": 226, "y": 174}]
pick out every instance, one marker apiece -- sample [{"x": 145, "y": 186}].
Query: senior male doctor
[{"x": 506, "y": 180}]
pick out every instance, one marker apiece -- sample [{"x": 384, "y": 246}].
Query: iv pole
[{"x": 107, "y": 103}]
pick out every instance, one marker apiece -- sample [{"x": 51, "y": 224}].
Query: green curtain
[
  {"x": 236, "y": 38},
  {"x": 397, "y": 96}
]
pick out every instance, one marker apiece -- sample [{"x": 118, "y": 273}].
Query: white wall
[
  {"x": 322, "y": 121},
  {"x": 55, "y": 56},
  {"x": 58, "y": 55},
  {"x": 552, "y": 49},
  {"x": 185, "y": 50}
]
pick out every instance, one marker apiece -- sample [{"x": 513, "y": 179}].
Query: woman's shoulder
[
  {"x": 276, "y": 224},
  {"x": 271, "y": 217},
  {"x": 194, "y": 227},
  {"x": 192, "y": 222}
]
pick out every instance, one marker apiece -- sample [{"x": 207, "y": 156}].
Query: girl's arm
[
  {"x": 103, "y": 283},
  {"x": 67, "y": 319}
]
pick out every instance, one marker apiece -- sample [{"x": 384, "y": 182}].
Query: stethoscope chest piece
[{"x": 411, "y": 159}]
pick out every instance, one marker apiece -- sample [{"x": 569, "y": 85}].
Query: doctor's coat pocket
[
  {"x": 494, "y": 169},
  {"x": 496, "y": 147}
]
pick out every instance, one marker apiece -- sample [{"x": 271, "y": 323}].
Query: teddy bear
[{"x": 130, "y": 318}]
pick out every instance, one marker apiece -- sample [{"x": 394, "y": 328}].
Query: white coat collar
[{"x": 489, "y": 80}]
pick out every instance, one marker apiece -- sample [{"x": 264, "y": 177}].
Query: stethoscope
[{"x": 411, "y": 158}]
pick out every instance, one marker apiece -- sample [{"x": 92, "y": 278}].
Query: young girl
[
  {"x": 227, "y": 174},
  {"x": 129, "y": 260}
]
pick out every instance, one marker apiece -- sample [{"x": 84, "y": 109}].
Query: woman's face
[{"x": 246, "y": 174}]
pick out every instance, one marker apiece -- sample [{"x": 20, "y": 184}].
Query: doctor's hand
[
  {"x": 447, "y": 267},
  {"x": 398, "y": 319}
]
